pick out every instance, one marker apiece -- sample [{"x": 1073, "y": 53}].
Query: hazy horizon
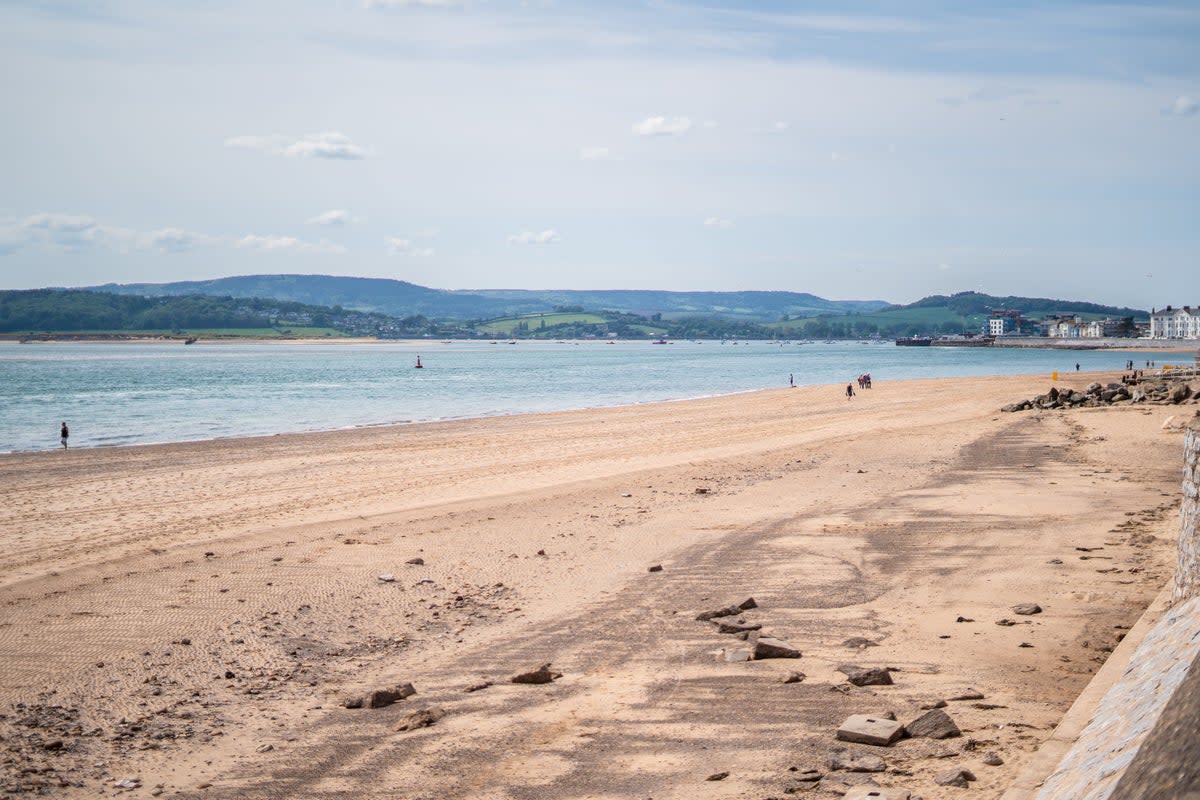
[{"x": 858, "y": 150}]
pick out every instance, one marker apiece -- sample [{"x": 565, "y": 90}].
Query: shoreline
[
  {"x": 1034, "y": 343},
  {"x": 885, "y": 517},
  {"x": 1080, "y": 377}
]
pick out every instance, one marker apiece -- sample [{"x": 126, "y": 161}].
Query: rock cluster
[
  {"x": 758, "y": 645},
  {"x": 1096, "y": 394}
]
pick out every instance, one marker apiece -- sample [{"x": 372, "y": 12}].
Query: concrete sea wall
[{"x": 1131, "y": 735}]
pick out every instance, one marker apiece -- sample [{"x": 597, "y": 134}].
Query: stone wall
[{"x": 1187, "y": 572}]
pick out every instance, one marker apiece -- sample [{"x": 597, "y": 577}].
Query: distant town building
[
  {"x": 1076, "y": 327},
  {"x": 1064, "y": 327},
  {"x": 1175, "y": 323},
  {"x": 1004, "y": 320}
]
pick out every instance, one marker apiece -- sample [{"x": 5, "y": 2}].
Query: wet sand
[{"x": 193, "y": 615}]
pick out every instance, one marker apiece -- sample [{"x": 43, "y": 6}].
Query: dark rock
[
  {"x": 1005, "y": 623},
  {"x": 736, "y": 626},
  {"x": 717, "y": 776},
  {"x": 418, "y": 561},
  {"x": 934, "y": 724},
  {"x": 421, "y": 719},
  {"x": 767, "y": 647},
  {"x": 954, "y": 777},
  {"x": 352, "y": 702},
  {"x": 701, "y": 490},
  {"x": 381, "y": 698},
  {"x": 964, "y": 619},
  {"x": 477, "y": 687},
  {"x": 859, "y": 643},
  {"x": 843, "y": 759},
  {"x": 728, "y": 611},
  {"x": 967, "y": 694},
  {"x": 992, "y": 760},
  {"x": 656, "y": 568},
  {"x": 866, "y": 676},
  {"x": 793, "y": 677},
  {"x": 1024, "y": 644},
  {"x": 1027, "y": 609},
  {"x": 542, "y": 674}
]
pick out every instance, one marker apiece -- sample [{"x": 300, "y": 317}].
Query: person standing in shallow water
[{"x": 63, "y": 435}]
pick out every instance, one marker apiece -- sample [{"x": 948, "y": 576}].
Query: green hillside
[
  {"x": 943, "y": 314},
  {"x": 401, "y": 298},
  {"x": 508, "y": 326}
]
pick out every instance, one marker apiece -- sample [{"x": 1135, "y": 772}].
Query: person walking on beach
[
  {"x": 63, "y": 434},
  {"x": 849, "y": 390}
]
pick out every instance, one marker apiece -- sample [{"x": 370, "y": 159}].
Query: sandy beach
[{"x": 193, "y": 616}]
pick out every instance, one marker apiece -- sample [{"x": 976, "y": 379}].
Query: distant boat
[
  {"x": 914, "y": 341},
  {"x": 190, "y": 340},
  {"x": 418, "y": 365},
  {"x": 660, "y": 341}
]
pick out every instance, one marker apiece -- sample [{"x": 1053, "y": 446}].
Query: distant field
[{"x": 507, "y": 325}]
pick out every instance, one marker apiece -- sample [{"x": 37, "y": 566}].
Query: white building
[
  {"x": 1175, "y": 323},
  {"x": 1065, "y": 328}
]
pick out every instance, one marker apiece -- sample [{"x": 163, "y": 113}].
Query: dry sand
[{"x": 193, "y": 615}]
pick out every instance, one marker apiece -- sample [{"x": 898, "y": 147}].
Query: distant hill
[
  {"x": 37, "y": 311},
  {"x": 941, "y": 314},
  {"x": 401, "y": 298},
  {"x": 964, "y": 303}
]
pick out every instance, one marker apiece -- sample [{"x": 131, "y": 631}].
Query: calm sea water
[{"x": 123, "y": 394}]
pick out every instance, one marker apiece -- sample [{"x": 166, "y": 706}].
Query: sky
[{"x": 855, "y": 150}]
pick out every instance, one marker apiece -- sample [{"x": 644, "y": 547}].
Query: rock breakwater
[{"x": 1096, "y": 394}]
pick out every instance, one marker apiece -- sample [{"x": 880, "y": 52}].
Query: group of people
[{"x": 864, "y": 382}]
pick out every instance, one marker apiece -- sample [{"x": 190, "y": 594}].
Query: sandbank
[{"x": 193, "y": 615}]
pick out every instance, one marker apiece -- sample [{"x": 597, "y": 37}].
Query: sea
[{"x": 126, "y": 393}]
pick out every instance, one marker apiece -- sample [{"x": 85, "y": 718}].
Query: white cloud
[
  {"x": 780, "y": 127},
  {"x": 82, "y": 232},
  {"x": 411, "y": 3},
  {"x": 286, "y": 244},
  {"x": 173, "y": 240},
  {"x": 989, "y": 94},
  {"x": 595, "y": 154},
  {"x": 404, "y": 247},
  {"x": 73, "y": 232},
  {"x": 330, "y": 144},
  {"x": 1183, "y": 106},
  {"x": 663, "y": 126},
  {"x": 528, "y": 237},
  {"x": 335, "y": 217},
  {"x": 718, "y": 222}
]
